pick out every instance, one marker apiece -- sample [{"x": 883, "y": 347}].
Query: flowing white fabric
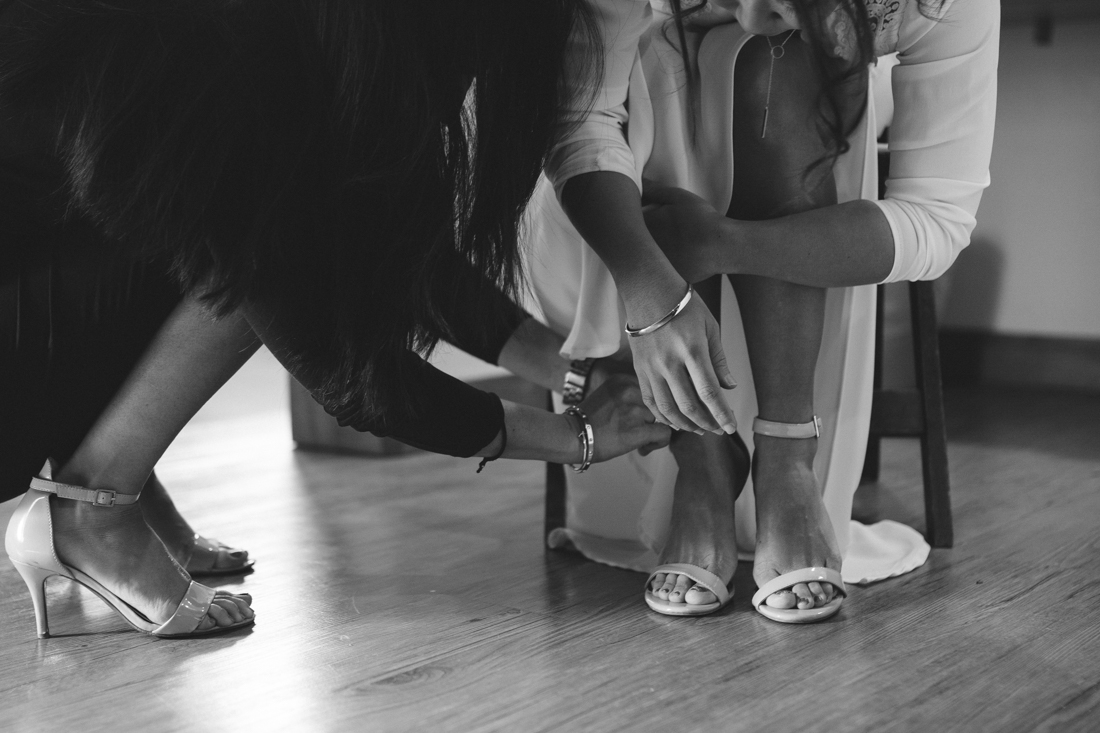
[{"x": 619, "y": 511}]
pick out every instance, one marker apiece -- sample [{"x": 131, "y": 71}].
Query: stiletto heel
[
  {"x": 35, "y": 578},
  {"x": 29, "y": 543}
]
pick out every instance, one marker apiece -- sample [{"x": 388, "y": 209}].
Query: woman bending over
[{"x": 309, "y": 172}]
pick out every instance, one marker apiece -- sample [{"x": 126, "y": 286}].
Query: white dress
[{"x": 944, "y": 98}]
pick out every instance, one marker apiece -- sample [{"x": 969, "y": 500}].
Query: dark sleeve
[
  {"x": 470, "y": 332},
  {"x": 446, "y": 415},
  {"x": 451, "y": 417}
]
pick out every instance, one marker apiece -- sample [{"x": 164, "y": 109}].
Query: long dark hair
[{"x": 350, "y": 165}]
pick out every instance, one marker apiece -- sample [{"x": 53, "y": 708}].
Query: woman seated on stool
[{"x": 753, "y": 142}]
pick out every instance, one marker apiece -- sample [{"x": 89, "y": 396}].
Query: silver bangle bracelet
[
  {"x": 635, "y": 332},
  {"x": 586, "y": 436}
]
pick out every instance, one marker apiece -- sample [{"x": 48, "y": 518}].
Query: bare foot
[
  {"x": 712, "y": 472},
  {"x": 793, "y": 530},
  {"x": 117, "y": 548},
  {"x": 186, "y": 547}
]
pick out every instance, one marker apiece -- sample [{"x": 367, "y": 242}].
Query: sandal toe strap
[
  {"x": 190, "y": 613},
  {"x": 702, "y": 577},
  {"x": 803, "y": 575}
]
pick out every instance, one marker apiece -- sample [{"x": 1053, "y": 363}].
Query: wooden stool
[{"x": 916, "y": 413}]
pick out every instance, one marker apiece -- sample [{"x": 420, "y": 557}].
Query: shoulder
[{"x": 965, "y": 24}]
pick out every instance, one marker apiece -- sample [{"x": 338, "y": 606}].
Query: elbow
[{"x": 927, "y": 239}]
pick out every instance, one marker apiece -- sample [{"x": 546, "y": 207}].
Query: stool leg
[
  {"x": 937, "y": 496},
  {"x": 872, "y": 461},
  {"x": 554, "y": 513}
]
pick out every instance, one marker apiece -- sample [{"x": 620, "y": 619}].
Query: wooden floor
[{"x": 411, "y": 594}]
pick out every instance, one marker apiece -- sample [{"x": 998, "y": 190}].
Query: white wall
[{"x": 1033, "y": 267}]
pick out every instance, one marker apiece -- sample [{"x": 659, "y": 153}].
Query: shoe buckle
[{"x": 104, "y": 497}]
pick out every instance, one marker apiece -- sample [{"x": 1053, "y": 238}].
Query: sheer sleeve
[
  {"x": 594, "y": 136},
  {"x": 945, "y": 95}
]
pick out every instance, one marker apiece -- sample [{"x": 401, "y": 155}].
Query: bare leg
[
  {"x": 712, "y": 471},
  {"x": 783, "y": 322},
  {"x": 179, "y": 537},
  {"x": 191, "y": 357}
]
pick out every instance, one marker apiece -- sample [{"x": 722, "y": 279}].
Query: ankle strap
[
  {"x": 811, "y": 429},
  {"x": 96, "y": 497}
]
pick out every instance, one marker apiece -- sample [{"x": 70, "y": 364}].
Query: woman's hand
[
  {"x": 686, "y": 228},
  {"x": 620, "y": 420},
  {"x": 682, "y": 371}
]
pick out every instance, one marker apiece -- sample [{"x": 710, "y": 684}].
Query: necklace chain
[{"x": 776, "y": 52}]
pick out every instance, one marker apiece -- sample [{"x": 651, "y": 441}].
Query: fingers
[
  {"x": 710, "y": 392},
  {"x": 718, "y": 359},
  {"x": 666, "y": 406},
  {"x": 682, "y": 373}
]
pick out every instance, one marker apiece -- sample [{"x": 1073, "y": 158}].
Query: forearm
[
  {"x": 835, "y": 246},
  {"x": 536, "y": 434},
  {"x": 606, "y": 209},
  {"x": 533, "y": 352}
]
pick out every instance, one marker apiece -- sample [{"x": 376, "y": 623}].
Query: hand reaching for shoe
[
  {"x": 682, "y": 372},
  {"x": 620, "y": 420}
]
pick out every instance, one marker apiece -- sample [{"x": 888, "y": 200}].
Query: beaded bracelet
[
  {"x": 635, "y": 332},
  {"x": 587, "y": 438}
]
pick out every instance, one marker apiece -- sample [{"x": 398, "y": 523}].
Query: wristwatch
[{"x": 576, "y": 381}]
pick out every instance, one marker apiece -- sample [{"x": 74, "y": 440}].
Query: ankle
[
  {"x": 777, "y": 453},
  {"x": 83, "y": 516},
  {"x": 89, "y": 477}
]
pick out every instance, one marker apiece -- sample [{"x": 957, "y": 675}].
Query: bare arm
[
  {"x": 681, "y": 368},
  {"x": 840, "y": 245}
]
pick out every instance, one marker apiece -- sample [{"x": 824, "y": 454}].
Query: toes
[
  {"x": 216, "y": 616},
  {"x": 782, "y": 599},
  {"x": 227, "y": 610},
  {"x": 233, "y": 559},
  {"x": 680, "y": 588},
  {"x": 805, "y": 598},
  {"x": 230, "y": 608},
  {"x": 697, "y": 595},
  {"x": 657, "y": 582},
  {"x": 819, "y": 594},
  {"x": 666, "y": 587}
]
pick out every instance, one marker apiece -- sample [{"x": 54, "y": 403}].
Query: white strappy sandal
[
  {"x": 30, "y": 547},
  {"x": 797, "y": 431}
]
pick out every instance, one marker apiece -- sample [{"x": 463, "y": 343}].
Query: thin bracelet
[
  {"x": 635, "y": 332},
  {"x": 586, "y": 436},
  {"x": 503, "y": 445}
]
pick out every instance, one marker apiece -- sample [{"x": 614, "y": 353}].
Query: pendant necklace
[{"x": 776, "y": 52}]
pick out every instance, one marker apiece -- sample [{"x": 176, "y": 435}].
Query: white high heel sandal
[
  {"x": 799, "y": 431},
  {"x": 29, "y": 543}
]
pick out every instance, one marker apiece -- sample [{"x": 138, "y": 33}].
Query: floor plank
[{"x": 409, "y": 593}]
